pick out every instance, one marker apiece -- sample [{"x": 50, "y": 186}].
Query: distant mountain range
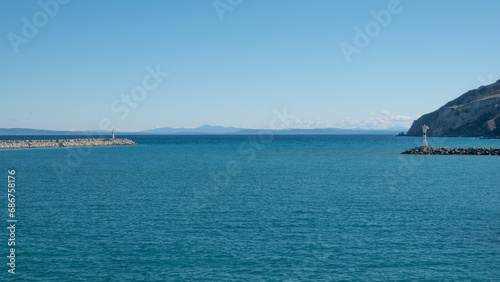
[
  {"x": 202, "y": 130},
  {"x": 474, "y": 114},
  {"x": 205, "y": 129},
  {"x": 29, "y": 131}
]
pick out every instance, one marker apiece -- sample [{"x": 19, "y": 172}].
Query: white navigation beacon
[
  {"x": 424, "y": 129},
  {"x": 113, "y": 133}
]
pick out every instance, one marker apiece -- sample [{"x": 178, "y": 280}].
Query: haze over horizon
[
  {"x": 207, "y": 129},
  {"x": 70, "y": 65}
]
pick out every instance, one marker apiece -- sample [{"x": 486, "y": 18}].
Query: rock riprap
[
  {"x": 453, "y": 151},
  {"x": 19, "y": 144}
]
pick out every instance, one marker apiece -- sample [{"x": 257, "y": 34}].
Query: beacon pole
[{"x": 424, "y": 129}]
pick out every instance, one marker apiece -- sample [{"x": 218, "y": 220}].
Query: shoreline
[
  {"x": 464, "y": 151},
  {"x": 54, "y": 143}
]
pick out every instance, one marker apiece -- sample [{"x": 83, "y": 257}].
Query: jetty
[
  {"x": 424, "y": 150},
  {"x": 21, "y": 144}
]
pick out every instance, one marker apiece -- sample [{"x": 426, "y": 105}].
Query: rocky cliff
[{"x": 474, "y": 114}]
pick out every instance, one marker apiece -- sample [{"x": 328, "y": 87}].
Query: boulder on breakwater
[
  {"x": 453, "y": 151},
  {"x": 19, "y": 144}
]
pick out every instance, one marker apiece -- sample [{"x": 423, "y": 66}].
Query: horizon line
[{"x": 194, "y": 128}]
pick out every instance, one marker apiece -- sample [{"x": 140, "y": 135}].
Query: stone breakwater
[
  {"x": 453, "y": 151},
  {"x": 18, "y": 144}
]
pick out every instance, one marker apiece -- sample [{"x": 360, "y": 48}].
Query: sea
[{"x": 264, "y": 207}]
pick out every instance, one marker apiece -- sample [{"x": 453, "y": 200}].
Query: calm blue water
[{"x": 244, "y": 208}]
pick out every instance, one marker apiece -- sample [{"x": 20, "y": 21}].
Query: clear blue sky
[{"x": 232, "y": 68}]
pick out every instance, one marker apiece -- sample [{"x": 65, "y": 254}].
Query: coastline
[{"x": 24, "y": 144}]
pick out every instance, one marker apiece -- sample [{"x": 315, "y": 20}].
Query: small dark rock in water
[
  {"x": 453, "y": 151},
  {"x": 401, "y": 134}
]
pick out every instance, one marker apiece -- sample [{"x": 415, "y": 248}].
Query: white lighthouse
[{"x": 424, "y": 129}]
